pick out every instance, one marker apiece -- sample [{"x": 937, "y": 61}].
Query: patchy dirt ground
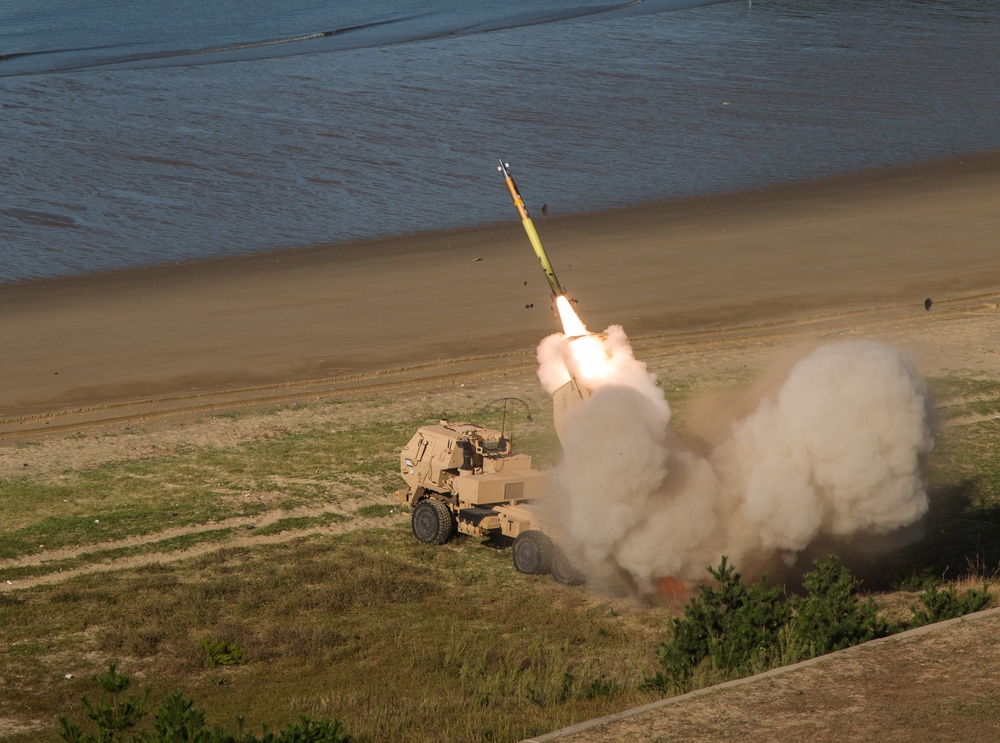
[{"x": 937, "y": 683}]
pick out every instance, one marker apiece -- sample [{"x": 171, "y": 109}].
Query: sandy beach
[{"x": 843, "y": 252}]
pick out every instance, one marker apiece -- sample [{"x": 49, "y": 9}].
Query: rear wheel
[
  {"x": 532, "y": 552},
  {"x": 563, "y": 569},
  {"x": 431, "y": 521}
]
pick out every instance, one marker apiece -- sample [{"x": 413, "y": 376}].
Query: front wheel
[
  {"x": 532, "y": 552},
  {"x": 431, "y": 521}
]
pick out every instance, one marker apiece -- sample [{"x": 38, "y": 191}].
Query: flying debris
[{"x": 529, "y": 227}]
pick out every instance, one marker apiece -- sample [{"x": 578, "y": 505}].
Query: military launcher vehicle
[{"x": 466, "y": 479}]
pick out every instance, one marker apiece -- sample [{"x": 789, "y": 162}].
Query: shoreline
[
  {"x": 968, "y": 164},
  {"x": 875, "y": 241}
]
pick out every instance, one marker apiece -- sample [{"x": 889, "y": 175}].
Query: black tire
[
  {"x": 564, "y": 571},
  {"x": 432, "y": 522},
  {"x": 532, "y": 553}
]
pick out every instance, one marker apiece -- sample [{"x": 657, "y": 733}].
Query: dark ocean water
[{"x": 139, "y": 133}]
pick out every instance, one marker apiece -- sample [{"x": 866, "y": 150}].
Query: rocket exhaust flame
[
  {"x": 572, "y": 325},
  {"x": 587, "y": 353}
]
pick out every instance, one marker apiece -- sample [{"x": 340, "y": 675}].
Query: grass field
[{"x": 337, "y": 611}]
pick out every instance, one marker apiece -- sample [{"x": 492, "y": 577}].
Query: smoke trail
[{"x": 832, "y": 449}]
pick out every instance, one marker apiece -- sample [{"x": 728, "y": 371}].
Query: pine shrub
[
  {"x": 731, "y": 629},
  {"x": 728, "y": 629},
  {"x": 832, "y": 616},
  {"x": 938, "y": 605}
]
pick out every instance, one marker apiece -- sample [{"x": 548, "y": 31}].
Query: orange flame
[
  {"x": 589, "y": 354},
  {"x": 672, "y": 590}
]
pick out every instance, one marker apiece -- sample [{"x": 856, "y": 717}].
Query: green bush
[
  {"x": 221, "y": 653},
  {"x": 939, "y": 605},
  {"x": 177, "y": 721},
  {"x": 111, "y": 715},
  {"x": 832, "y": 616},
  {"x": 727, "y": 630},
  {"x": 732, "y": 629}
]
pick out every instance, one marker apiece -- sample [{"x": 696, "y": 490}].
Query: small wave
[
  {"x": 131, "y": 59},
  {"x": 44, "y": 52},
  {"x": 396, "y": 30},
  {"x": 244, "y": 45},
  {"x": 40, "y": 219}
]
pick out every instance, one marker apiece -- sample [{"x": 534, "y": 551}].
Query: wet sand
[{"x": 234, "y": 331}]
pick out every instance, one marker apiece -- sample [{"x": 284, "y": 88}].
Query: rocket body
[{"x": 529, "y": 227}]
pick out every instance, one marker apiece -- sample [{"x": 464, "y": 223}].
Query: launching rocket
[{"x": 529, "y": 227}]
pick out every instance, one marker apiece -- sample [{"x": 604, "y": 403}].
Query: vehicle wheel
[
  {"x": 532, "y": 552},
  {"x": 564, "y": 571},
  {"x": 431, "y": 521}
]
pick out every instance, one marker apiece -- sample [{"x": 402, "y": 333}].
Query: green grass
[
  {"x": 962, "y": 532},
  {"x": 294, "y": 523},
  {"x": 403, "y": 641},
  {"x": 341, "y": 626},
  {"x": 199, "y": 485},
  {"x": 379, "y": 510}
]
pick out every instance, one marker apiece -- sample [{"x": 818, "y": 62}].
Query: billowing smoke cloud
[{"x": 830, "y": 449}]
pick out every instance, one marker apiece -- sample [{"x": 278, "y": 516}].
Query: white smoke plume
[{"x": 832, "y": 449}]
